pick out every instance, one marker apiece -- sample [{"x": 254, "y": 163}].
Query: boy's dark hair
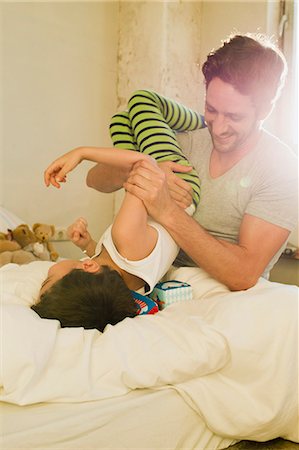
[
  {"x": 252, "y": 64},
  {"x": 88, "y": 300}
]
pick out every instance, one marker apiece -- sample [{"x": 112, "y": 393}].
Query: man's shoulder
[{"x": 276, "y": 148}]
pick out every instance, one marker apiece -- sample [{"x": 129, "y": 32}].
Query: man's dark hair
[
  {"x": 88, "y": 300},
  {"x": 252, "y": 64}
]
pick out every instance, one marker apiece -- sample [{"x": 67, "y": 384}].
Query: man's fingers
[
  {"x": 135, "y": 190},
  {"x": 175, "y": 167},
  {"x": 147, "y": 166},
  {"x": 182, "y": 184}
]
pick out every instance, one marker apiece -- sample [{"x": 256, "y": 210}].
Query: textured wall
[
  {"x": 159, "y": 46},
  {"x": 159, "y": 49}
]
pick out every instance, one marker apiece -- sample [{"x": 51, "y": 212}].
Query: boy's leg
[
  {"x": 149, "y": 122},
  {"x": 121, "y": 132},
  {"x": 154, "y": 119}
]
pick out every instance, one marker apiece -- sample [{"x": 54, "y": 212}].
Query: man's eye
[{"x": 235, "y": 118}]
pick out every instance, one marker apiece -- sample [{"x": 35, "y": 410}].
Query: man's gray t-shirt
[{"x": 263, "y": 184}]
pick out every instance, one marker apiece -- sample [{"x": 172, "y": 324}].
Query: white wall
[
  {"x": 1, "y": 111},
  {"x": 59, "y": 73},
  {"x": 158, "y": 48}
]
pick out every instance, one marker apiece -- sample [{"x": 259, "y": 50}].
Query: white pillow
[{"x": 8, "y": 220}]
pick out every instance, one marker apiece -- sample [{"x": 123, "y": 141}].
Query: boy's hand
[
  {"x": 79, "y": 234},
  {"x": 56, "y": 172}
]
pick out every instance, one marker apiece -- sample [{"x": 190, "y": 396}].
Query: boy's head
[{"x": 83, "y": 298}]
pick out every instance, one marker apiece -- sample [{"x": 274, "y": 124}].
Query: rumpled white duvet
[{"x": 233, "y": 357}]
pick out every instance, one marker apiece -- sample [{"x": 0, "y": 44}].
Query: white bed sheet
[
  {"x": 142, "y": 419},
  {"x": 231, "y": 358}
]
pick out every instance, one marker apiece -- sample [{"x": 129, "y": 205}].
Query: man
[{"x": 248, "y": 177}]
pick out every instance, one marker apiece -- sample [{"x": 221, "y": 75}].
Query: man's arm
[
  {"x": 238, "y": 266},
  {"x": 105, "y": 178},
  {"x": 108, "y": 179}
]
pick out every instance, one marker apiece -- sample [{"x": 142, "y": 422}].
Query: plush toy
[
  {"x": 7, "y": 243},
  {"x": 22, "y": 246},
  {"x": 43, "y": 233},
  {"x": 23, "y": 235},
  {"x": 18, "y": 257},
  {"x": 16, "y": 239}
]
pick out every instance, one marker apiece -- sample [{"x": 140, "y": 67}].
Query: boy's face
[
  {"x": 230, "y": 116},
  {"x": 59, "y": 270}
]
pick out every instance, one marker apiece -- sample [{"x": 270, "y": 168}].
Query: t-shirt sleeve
[{"x": 151, "y": 268}]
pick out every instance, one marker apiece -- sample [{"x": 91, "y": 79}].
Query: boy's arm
[
  {"x": 119, "y": 158},
  {"x": 78, "y": 233},
  {"x": 131, "y": 234}
]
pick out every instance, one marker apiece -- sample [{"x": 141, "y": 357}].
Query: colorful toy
[
  {"x": 145, "y": 305},
  {"x": 168, "y": 292}
]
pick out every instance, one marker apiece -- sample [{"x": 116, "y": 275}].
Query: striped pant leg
[
  {"x": 121, "y": 132},
  {"x": 153, "y": 120}
]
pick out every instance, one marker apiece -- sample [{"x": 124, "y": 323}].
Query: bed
[{"x": 202, "y": 374}]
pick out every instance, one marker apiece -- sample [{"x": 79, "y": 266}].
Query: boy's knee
[
  {"x": 120, "y": 117},
  {"x": 139, "y": 96}
]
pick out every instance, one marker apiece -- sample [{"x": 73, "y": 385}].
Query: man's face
[{"x": 230, "y": 117}]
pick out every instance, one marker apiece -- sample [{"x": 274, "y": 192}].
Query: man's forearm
[
  {"x": 106, "y": 179},
  {"x": 224, "y": 261}
]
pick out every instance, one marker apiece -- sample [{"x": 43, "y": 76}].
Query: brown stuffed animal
[
  {"x": 43, "y": 233},
  {"x": 16, "y": 239},
  {"x": 17, "y": 257},
  {"x": 18, "y": 246},
  {"x": 22, "y": 246},
  {"x": 23, "y": 235},
  {"x": 7, "y": 243}
]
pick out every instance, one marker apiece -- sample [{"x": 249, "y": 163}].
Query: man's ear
[{"x": 90, "y": 265}]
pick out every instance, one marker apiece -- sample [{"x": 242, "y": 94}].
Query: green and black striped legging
[{"x": 149, "y": 126}]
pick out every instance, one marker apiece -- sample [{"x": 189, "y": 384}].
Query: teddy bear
[
  {"x": 7, "y": 243},
  {"x": 43, "y": 233},
  {"x": 22, "y": 246},
  {"x": 13, "y": 244}
]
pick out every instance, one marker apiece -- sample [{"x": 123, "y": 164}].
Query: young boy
[{"x": 134, "y": 252}]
